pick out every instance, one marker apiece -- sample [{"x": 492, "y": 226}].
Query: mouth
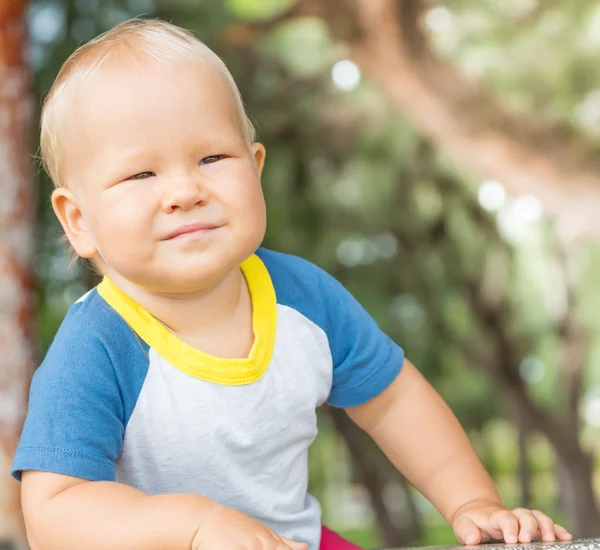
[{"x": 194, "y": 229}]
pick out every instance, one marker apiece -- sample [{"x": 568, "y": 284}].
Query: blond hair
[{"x": 150, "y": 40}]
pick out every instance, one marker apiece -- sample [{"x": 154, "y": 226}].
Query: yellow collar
[{"x": 192, "y": 361}]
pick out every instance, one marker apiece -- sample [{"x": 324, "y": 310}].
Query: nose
[{"x": 183, "y": 192}]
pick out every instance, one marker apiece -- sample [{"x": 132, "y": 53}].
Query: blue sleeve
[
  {"x": 365, "y": 360},
  {"x": 75, "y": 421}
]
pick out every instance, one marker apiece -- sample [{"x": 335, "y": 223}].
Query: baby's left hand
[{"x": 479, "y": 522}]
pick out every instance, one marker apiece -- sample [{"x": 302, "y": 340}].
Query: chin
[
  {"x": 193, "y": 278},
  {"x": 223, "y": 259}
]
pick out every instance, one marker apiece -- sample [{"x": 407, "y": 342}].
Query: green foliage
[
  {"x": 249, "y": 9},
  {"x": 316, "y": 55}
]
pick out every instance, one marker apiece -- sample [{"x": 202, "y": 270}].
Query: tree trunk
[
  {"x": 371, "y": 472},
  {"x": 579, "y": 496},
  {"x": 500, "y": 356},
  {"x": 583, "y": 508},
  {"x": 17, "y": 296}
]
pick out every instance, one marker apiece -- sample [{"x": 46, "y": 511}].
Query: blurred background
[{"x": 439, "y": 158}]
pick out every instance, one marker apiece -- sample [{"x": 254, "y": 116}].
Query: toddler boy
[{"x": 176, "y": 405}]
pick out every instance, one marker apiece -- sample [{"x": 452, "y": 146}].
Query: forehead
[
  {"x": 125, "y": 101},
  {"x": 132, "y": 89}
]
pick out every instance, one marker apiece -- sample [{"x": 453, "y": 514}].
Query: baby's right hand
[{"x": 227, "y": 528}]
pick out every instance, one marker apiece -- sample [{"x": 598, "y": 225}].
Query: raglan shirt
[{"x": 119, "y": 397}]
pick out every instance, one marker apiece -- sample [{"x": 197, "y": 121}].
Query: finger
[
  {"x": 529, "y": 524},
  {"x": 466, "y": 531},
  {"x": 562, "y": 533},
  {"x": 295, "y": 545},
  {"x": 278, "y": 542},
  {"x": 545, "y": 525},
  {"x": 507, "y": 523}
]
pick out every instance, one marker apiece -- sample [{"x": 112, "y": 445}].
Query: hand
[
  {"x": 481, "y": 521},
  {"x": 227, "y": 528}
]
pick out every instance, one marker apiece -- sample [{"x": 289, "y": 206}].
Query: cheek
[
  {"x": 250, "y": 204},
  {"x": 124, "y": 219},
  {"x": 242, "y": 193}
]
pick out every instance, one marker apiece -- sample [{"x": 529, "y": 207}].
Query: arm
[
  {"x": 385, "y": 395},
  {"x": 421, "y": 436},
  {"x": 63, "y": 512},
  {"x": 68, "y": 513}
]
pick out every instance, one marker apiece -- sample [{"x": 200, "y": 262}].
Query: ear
[
  {"x": 69, "y": 214},
  {"x": 259, "y": 155}
]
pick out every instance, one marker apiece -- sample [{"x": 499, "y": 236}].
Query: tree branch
[{"x": 465, "y": 120}]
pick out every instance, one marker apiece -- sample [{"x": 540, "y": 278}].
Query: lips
[{"x": 191, "y": 228}]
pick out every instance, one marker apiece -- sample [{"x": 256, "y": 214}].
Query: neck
[{"x": 190, "y": 313}]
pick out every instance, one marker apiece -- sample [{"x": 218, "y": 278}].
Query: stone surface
[{"x": 585, "y": 544}]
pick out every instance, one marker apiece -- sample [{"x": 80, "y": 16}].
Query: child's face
[{"x": 151, "y": 153}]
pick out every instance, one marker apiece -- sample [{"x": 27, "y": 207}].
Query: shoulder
[
  {"x": 85, "y": 328},
  {"x": 287, "y": 270},
  {"x": 91, "y": 322},
  {"x": 82, "y": 395},
  {"x": 365, "y": 360},
  {"x": 91, "y": 338},
  {"x": 299, "y": 284}
]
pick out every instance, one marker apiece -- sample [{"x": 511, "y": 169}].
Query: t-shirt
[{"x": 119, "y": 397}]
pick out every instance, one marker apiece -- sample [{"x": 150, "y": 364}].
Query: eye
[
  {"x": 212, "y": 159},
  {"x": 141, "y": 176}
]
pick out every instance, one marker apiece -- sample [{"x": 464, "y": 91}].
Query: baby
[{"x": 176, "y": 405}]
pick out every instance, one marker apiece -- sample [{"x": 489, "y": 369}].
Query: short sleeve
[
  {"x": 75, "y": 421},
  {"x": 365, "y": 360}
]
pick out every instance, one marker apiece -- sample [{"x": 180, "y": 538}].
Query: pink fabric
[{"x": 330, "y": 540}]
